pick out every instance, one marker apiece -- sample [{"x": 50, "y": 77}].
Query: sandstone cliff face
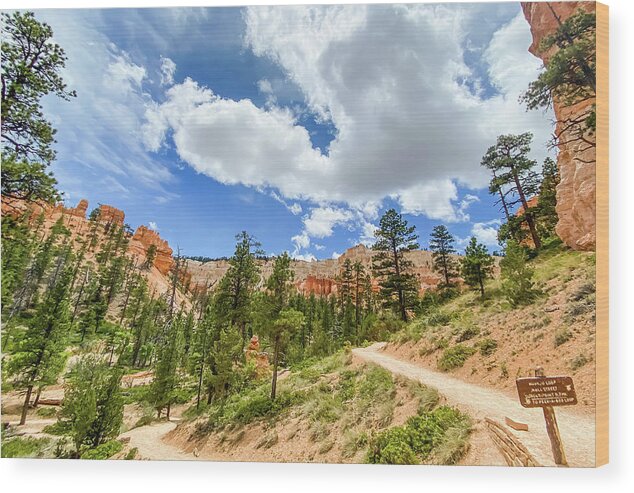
[
  {"x": 318, "y": 277},
  {"x": 140, "y": 243},
  {"x": 576, "y": 192}
]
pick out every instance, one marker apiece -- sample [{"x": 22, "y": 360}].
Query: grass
[
  {"x": 440, "y": 436},
  {"x": 25, "y": 447},
  {"x": 562, "y": 336},
  {"x": 455, "y": 357},
  {"x": 487, "y": 346},
  {"x": 103, "y": 451}
]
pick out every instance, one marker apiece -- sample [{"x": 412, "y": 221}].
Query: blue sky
[{"x": 300, "y": 125}]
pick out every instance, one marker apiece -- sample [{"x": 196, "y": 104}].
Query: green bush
[
  {"x": 579, "y": 361},
  {"x": 487, "y": 346},
  {"x": 421, "y": 436},
  {"x": 131, "y": 455},
  {"x": 455, "y": 357},
  {"x": 24, "y": 447},
  {"x": 103, "y": 451},
  {"x": 46, "y": 412}
]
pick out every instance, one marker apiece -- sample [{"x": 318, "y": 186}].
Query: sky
[{"x": 298, "y": 124}]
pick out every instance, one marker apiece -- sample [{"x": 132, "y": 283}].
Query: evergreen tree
[
  {"x": 287, "y": 322},
  {"x": 509, "y": 162},
  {"x": 238, "y": 285},
  {"x": 441, "y": 245},
  {"x": 166, "y": 377},
  {"x": 546, "y": 206},
  {"x": 93, "y": 403},
  {"x": 399, "y": 287},
  {"x": 569, "y": 77},
  {"x": 517, "y": 275},
  {"x": 31, "y": 67},
  {"x": 39, "y": 357},
  {"x": 477, "y": 265}
]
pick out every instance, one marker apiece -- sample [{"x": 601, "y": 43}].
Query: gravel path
[
  {"x": 577, "y": 432},
  {"x": 149, "y": 442}
]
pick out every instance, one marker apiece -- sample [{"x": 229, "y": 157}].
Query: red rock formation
[
  {"x": 111, "y": 215},
  {"x": 252, "y": 354},
  {"x": 316, "y": 285},
  {"x": 576, "y": 192},
  {"x": 140, "y": 243},
  {"x": 80, "y": 210}
]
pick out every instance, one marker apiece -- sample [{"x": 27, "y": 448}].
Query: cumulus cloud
[
  {"x": 487, "y": 233},
  {"x": 153, "y": 226},
  {"x": 168, "y": 68}
]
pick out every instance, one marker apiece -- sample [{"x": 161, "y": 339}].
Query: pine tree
[
  {"x": 546, "y": 207},
  {"x": 39, "y": 357},
  {"x": 569, "y": 77},
  {"x": 238, "y": 285},
  {"x": 287, "y": 322},
  {"x": 509, "y": 162},
  {"x": 441, "y": 245},
  {"x": 93, "y": 404},
  {"x": 399, "y": 287},
  {"x": 517, "y": 275},
  {"x": 31, "y": 67},
  {"x": 477, "y": 265},
  {"x": 166, "y": 377},
  {"x": 283, "y": 321}
]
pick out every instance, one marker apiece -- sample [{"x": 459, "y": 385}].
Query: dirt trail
[
  {"x": 577, "y": 431},
  {"x": 149, "y": 442}
]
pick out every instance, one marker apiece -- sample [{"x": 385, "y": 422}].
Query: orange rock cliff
[{"x": 576, "y": 192}]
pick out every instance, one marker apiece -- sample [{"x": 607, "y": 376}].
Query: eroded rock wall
[{"x": 576, "y": 192}]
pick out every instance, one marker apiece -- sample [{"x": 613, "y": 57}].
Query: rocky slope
[
  {"x": 318, "y": 277},
  {"x": 576, "y": 193}
]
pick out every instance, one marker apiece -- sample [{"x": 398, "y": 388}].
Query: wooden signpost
[{"x": 547, "y": 392}]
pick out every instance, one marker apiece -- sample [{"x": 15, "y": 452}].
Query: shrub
[
  {"x": 46, "y": 412},
  {"x": 467, "y": 334},
  {"x": 131, "y": 455},
  {"x": 579, "y": 361},
  {"x": 562, "y": 336},
  {"x": 455, "y": 357},
  {"x": 103, "y": 451},
  {"x": 487, "y": 346},
  {"x": 421, "y": 436},
  {"x": 24, "y": 447}
]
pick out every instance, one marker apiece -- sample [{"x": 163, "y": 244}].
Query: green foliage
[
  {"x": 455, "y": 357},
  {"x": 579, "y": 361},
  {"x": 420, "y": 437},
  {"x": 546, "y": 212},
  {"x": 441, "y": 244},
  {"x": 476, "y": 265},
  {"x": 399, "y": 286},
  {"x": 31, "y": 67},
  {"x": 467, "y": 334},
  {"x": 514, "y": 181},
  {"x": 517, "y": 276},
  {"x": 92, "y": 411},
  {"x": 487, "y": 346},
  {"x": 164, "y": 388},
  {"x": 24, "y": 446},
  {"x": 569, "y": 75},
  {"x": 103, "y": 451}
]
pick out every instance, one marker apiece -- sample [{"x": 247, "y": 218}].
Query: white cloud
[
  {"x": 321, "y": 221},
  {"x": 306, "y": 257},
  {"x": 98, "y": 131},
  {"x": 265, "y": 87},
  {"x": 153, "y": 226},
  {"x": 168, "y": 68},
  {"x": 319, "y": 247},
  {"x": 487, "y": 233},
  {"x": 335, "y": 255}
]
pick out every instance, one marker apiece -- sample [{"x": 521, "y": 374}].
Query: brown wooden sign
[{"x": 546, "y": 391}]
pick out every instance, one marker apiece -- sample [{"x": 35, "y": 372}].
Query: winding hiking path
[
  {"x": 577, "y": 432},
  {"x": 149, "y": 442}
]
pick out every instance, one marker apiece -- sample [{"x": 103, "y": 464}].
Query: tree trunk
[
  {"x": 529, "y": 217},
  {"x": 37, "y": 397},
  {"x": 275, "y": 361},
  {"x": 25, "y": 406},
  {"x": 169, "y": 408}
]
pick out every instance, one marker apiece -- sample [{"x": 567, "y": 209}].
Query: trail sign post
[{"x": 547, "y": 392}]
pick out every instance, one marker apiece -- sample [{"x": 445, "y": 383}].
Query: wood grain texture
[{"x": 602, "y": 198}]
